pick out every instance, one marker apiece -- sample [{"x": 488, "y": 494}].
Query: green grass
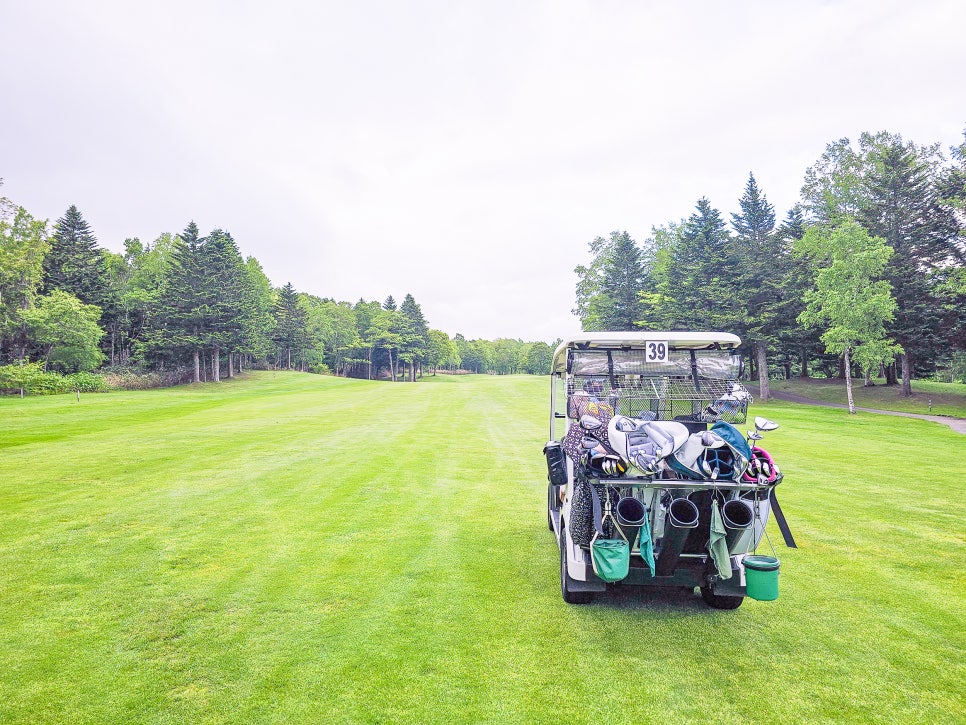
[
  {"x": 294, "y": 548},
  {"x": 946, "y": 398}
]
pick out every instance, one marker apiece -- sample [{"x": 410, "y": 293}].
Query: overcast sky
[{"x": 464, "y": 152}]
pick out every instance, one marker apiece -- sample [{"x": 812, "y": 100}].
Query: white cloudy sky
[{"x": 464, "y": 152}]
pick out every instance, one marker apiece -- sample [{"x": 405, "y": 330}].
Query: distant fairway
[{"x": 295, "y": 548}]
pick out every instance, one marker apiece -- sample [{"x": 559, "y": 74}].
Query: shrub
[
  {"x": 30, "y": 378},
  {"x": 86, "y": 383}
]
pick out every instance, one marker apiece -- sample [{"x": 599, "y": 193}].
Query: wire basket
[{"x": 697, "y": 386}]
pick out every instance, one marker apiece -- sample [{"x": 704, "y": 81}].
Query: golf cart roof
[{"x": 639, "y": 340}]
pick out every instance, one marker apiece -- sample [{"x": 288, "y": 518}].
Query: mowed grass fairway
[{"x": 295, "y": 548}]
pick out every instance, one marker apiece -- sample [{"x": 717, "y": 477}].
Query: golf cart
[{"x": 650, "y": 481}]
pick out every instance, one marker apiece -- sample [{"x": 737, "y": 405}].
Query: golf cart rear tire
[
  {"x": 569, "y": 596},
  {"x": 720, "y": 601}
]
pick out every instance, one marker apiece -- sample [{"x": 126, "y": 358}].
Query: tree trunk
[
  {"x": 215, "y": 365},
  {"x": 392, "y": 366},
  {"x": 231, "y": 371},
  {"x": 890, "y": 375},
  {"x": 906, "y": 374},
  {"x": 197, "y": 361},
  {"x": 868, "y": 383},
  {"x": 761, "y": 354},
  {"x": 848, "y": 381},
  {"x": 804, "y": 374}
]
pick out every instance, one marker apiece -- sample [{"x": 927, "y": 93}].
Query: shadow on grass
[{"x": 659, "y": 600}]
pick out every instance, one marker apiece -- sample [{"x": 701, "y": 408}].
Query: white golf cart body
[{"x": 676, "y": 380}]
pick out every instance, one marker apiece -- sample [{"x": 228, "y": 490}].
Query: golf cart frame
[{"x": 692, "y": 379}]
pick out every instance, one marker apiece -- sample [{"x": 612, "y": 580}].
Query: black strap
[
  {"x": 694, "y": 372},
  {"x": 780, "y": 520}
]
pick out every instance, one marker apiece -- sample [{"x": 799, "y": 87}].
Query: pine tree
[
  {"x": 225, "y": 298},
  {"x": 761, "y": 273},
  {"x": 289, "y": 327},
  {"x": 609, "y": 290},
  {"x": 756, "y": 222},
  {"x": 902, "y": 205},
  {"x": 415, "y": 336},
  {"x": 178, "y": 325},
  {"x": 74, "y": 262},
  {"x": 702, "y": 289}
]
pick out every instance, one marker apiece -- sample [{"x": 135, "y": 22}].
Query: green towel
[
  {"x": 646, "y": 545},
  {"x": 716, "y": 545}
]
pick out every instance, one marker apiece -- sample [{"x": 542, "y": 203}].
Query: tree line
[
  {"x": 193, "y": 305},
  {"x": 866, "y": 274}
]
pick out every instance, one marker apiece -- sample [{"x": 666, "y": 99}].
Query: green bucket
[{"x": 761, "y": 577}]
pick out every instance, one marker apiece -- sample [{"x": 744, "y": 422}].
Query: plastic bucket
[{"x": 761, "y": 577}]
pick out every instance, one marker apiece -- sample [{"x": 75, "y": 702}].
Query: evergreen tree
[
  {"x": 609, "y": 290},
  {"x": 894, "y": 189},
  {"x": 74, "y": 263},
  {"x": 756, "y": 222},
  {"x": 178, "y": 323},
  {"x": 226, "y": 299},
  {"x": 701, "y": 290},
  {"x": 761, "y": 274},
  {"x": 797, "y": 277},
  {"x": 415, "y": 336},
  {"x": 290, "y": 326},
  {"x": 902, "y": 205}
]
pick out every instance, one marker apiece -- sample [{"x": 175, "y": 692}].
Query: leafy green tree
[
  {"x": 538, "y": 359},
  {"x": 848, "y": 299},
  {"x": 385, "y": 332},
  {"x": 657, "y": 308},
  {"x": 67, "y": 330},
  {"x": 894, "y": 189},
  {"x": 366, "y": 314},
  {"x": 442, "y": 352},
  {"x": 23, "y": 244},
  {"x": 342, "y": 337},
  {"x": 259, "y": 321}
]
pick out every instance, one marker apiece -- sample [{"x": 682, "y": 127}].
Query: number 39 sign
[{"x": 656, "y": 352}]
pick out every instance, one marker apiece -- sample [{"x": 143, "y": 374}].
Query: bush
[
  {"x": 123, "y": 378},
  {"x": 30, "y": 378},
  {"x": 86, "y": 383}
]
